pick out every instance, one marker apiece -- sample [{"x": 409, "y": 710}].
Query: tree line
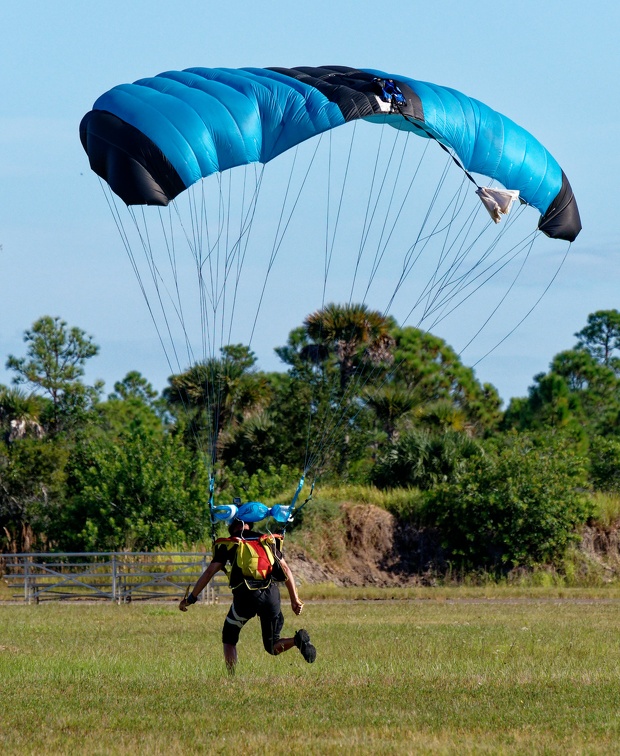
[{"x": 360, "y": 398}]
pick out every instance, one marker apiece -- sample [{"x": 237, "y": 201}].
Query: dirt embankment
[{"x": 374, "y": 548}]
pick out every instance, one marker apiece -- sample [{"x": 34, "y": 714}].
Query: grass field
[{"x": 474, "y": 675}]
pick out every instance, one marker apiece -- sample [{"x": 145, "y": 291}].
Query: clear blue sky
[{"x": 552, "y": 66}]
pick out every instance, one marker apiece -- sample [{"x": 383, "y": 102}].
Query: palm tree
[
  {"x": 391, "y": 404},
  {"x": 422, "y": 458},
  {"x": 353, "y": 333},
  {"x": 218, "y": 394},
  {"x": 20, "y": 414},
  {"x": 444, "y": 415}
]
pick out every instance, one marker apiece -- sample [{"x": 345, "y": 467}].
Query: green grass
[
  {"x": 606, "y": 509},
  {"x": 489, "y": 591},
  {"x": 471, "y": 675},
  {"x": 361, "y": 494}
]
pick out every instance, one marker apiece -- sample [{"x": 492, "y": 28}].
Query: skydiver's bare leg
[
  {"x": 230, "y": 657},
  {"x": 283, "y": 645}
]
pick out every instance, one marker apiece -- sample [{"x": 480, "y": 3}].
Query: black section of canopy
[
  {"x": 134, "y": 167},
  {"x": 562, "y": 221},
  {"x": 355, "y": 92}
]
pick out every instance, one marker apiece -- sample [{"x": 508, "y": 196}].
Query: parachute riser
[
  {"x": 212, "y": 520},
  {"x": 300, "y": 485},
  {"x": 294, "y": 509}
]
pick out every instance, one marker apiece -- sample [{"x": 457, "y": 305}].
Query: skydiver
[{"x": 257, "y": 595}]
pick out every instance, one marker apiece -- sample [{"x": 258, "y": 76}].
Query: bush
[
  {"x": 605, "y": 464},
  {"x": 423, "y": 459},
  {"x": 139, "y": 492},
  {"x": 403, "y": 503},
  {"x": 320, "y": 530},
  {"x": 518, "y": 505},
  {"x": 32, "y": 487},
  {"x": 271, "y": 485},
  {"x": 605, "y": 509}
]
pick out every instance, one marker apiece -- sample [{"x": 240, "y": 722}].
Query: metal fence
[{"x": 110, "y": 576}]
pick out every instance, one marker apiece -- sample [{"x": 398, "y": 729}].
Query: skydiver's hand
[{"x": 297, "y": 606}]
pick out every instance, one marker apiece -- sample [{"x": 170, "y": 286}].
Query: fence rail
[{"x": 109, "y": 576}]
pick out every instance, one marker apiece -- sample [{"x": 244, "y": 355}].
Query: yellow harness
[{"x": 255, "y": 559}]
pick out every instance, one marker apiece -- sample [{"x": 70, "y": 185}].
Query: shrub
[
  {"x": 320, "y": 529},
  {"x": 403, "y": 503},
  {"x": 138, "y": 492},
  {"x": 517, "y": 505},
  {"x": 271, "y": 485},
  {"x": 605, "y": 464},
  {"x": 424, "y": 459},
  {"x": 605, "y": 509}
]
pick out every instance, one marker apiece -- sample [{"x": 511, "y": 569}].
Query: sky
[{"x": 552, "y": 67}]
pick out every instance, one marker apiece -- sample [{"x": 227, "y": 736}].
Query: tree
[
  {"x": 32, "y": 489},
  {"x": 354, "y": 335},
  {"x": 392, "y": 405},
  {"x": 601, "y": 336},
  {"x": 53, "y": 366},
  {"x": 135, "y": 386},
  {"x": 418, "y": 381},
  {"x": 431, "y": 370},
  {"x": 20, "y": 414},
  {"x": 605, "y": 464},
  {"x": 136, "y": 492},
  {"x": 212, "y": 398},
  {"x": 335, "y": 345},
  {"x": 134, "y": 402},
  {"x": 550, "y": 404},
  {"x": 581, "y": 390},
  {"x": 594, "y": 385},
  {"x": 519, "y": 504}
]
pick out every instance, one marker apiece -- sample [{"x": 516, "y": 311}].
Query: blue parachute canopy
[{"x": 153, "y": 139}]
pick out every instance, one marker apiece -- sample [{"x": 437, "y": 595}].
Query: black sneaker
[{"x": 302, "y": 641}]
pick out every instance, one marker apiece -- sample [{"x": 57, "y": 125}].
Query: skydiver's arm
[
  {"x": 296, "y": 603},
  {"x": 201, "y": 584}
]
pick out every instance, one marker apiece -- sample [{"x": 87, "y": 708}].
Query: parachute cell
[{"x": 153, "y": 139}]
